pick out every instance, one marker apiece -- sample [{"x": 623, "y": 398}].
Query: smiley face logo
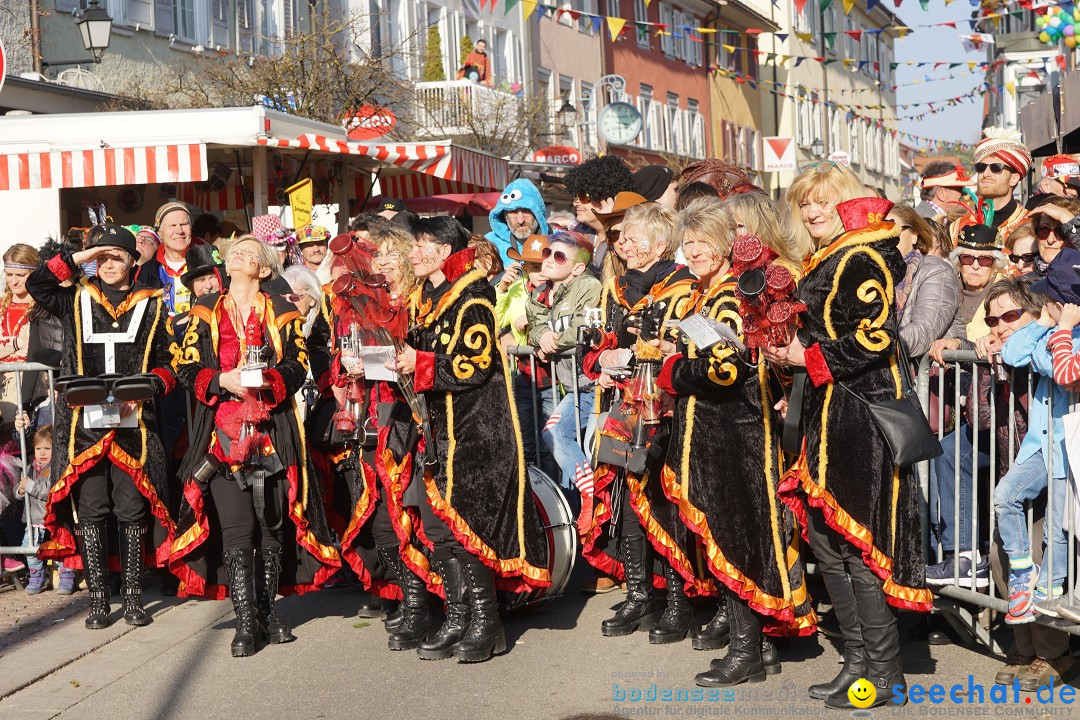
[{"x": 861, "y": 693}]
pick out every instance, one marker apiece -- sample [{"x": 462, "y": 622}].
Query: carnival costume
[
  {"x": 104, "y": 471},
  {"x": 248, "y": 459},
  {"x": 862, "y": 510}
]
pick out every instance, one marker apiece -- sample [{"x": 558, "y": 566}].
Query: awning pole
[
  {"x": 258, "y": 171},
  {"x": 371, "y": 187},
  {"x": 243, "y": 189}
]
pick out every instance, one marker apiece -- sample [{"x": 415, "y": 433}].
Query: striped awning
[
  {"x": 415, "y": 169},
  {"x": 103, "y": 166}
]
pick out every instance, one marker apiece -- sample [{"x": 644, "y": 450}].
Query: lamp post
[
  {"x": 817, "y": 147},
  {"x": 95, "y": 28}
]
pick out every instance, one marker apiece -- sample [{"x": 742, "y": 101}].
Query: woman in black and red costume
[
  {"x": 475, "y": 501},
  {"x": 249, "y": 489},
  {"x": 646, "y": 519},
  {"x": 724, "y": 467},
  {"x": 860, "y": 511},
  {"x": 377, "y": 532},
  {"x": 112, "y": 325}
]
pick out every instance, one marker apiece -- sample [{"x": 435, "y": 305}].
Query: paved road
[{"x": 559, "y": 666}]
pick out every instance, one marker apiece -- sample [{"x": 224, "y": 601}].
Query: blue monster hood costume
[{"x": 518, "y": 195}]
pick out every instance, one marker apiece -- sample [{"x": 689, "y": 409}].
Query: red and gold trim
[
  {"x": 202, "y": 386},
  {"x": 59, "y": 268},
  {"x": 424, "y": 378},
  {"x": 511, "y": 574},
  {"x": 900, "y": 596},
  {"x": 395, "y": 479},
  {"x": 166, "y": 377},
  {"x": 278, "y": 392},
  {"x": 816, "y": 367}
]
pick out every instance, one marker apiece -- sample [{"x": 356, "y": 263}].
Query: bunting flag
[
  {"x": 848, "y": 4},
  {"x": 799, "y": 5},
  {"x": 527, "y": 7},
  {"x": 509, "y": 6},
  {"x": 871, "y": 4},
  {"x": 615, "y": 26},
  {"x": 825, "y": 5},
  {"x": 830, "y": 38}
]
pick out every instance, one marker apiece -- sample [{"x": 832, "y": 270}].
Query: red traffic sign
[
  {"x": 557, "y": 155},
  {"x": 368, "y": 122},
  {"x": 3, "y": 65}
]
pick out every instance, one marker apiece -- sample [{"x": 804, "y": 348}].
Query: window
[
  {"x": 752, "y": 57},
  {"x": 641, "y": 14},
  {"x": 676, "y": 131},
  {"x": 807, "y": 20},
  {"x": 550, "y": 107},
  {"x": 748, "y": 149},
  {"x": 585, "y": 24},
  {"x": 586, "y": 117},
  {"x": 566, "y": 91},
  {"x": 184, "y": 19},
  {"x": 829, "y": 25},
  {"x": 849, "y": 41},
  {"x": 290, "y": 17},
  {"x": 697, "y": 129},
  {"x": 245, "y": 24},
  {"x": 856, "y": 142},
  {"x": 667, "y": 40},
  {"x": 834, "y": 128},
  {"x": 815, "y": 116},
  {"x": 803, "y": 130},
  {"x": 648, "y": 132}
]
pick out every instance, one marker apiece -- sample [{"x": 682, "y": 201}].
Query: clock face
[{"x": 619, "y": 123}]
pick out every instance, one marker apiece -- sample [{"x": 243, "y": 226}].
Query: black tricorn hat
[
  {"x": 978, "y": 237},
  {"x": 110, "y": 235},
  {"x": 201, "y": 260}
]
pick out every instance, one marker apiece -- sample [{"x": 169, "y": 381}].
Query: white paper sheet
[
  {"x": 375, "y": 358},
  {"x": 705, "y": 332}
]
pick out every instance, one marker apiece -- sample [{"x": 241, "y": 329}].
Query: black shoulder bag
[{"x": 901, "y": 421}]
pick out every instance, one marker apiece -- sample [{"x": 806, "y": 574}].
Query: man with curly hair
[{"x": 594, "y": 185}]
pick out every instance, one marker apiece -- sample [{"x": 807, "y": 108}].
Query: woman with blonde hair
[
  {"x": 249, "y": 482},
  {"x": 860, "y": 511},
  {"x": 724, "y": 472},
  {"x": 16, "y": 316},
  {"x": 756, "y": 214},
  {"x": 646, "y": 294}
]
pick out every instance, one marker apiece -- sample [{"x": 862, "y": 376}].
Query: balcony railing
[{"x": 461, "y": 107}]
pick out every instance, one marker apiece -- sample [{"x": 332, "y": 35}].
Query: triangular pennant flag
[
  {"x": 781, "y": 36},
  {"x": 830, "y": 38},
  {"x": 509, "y": 6},
  {"x": 925, "y": 5},
  {"x": 799, "y": 5},
  {"x": 871, "y": 4},
  {"x": 615, "y": 26},
  {"x": 902, "y": 32},
  {"x": 857, "y": 34},
  {"x": 597, "y": 21},
  {"x": 527, "y": 7},
  {"x": 798, "y": 60},
  {"x": 848, "y": 4},
  {"x": 825, "y": 5},
  {"x": 805, "y": 37}
]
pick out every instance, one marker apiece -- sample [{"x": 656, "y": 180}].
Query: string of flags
[{"x": 617, "y": 25}]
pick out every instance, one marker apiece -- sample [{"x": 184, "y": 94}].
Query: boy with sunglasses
[{"x": 556, "y": 312}]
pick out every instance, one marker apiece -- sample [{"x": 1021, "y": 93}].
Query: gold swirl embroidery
[
  {"x": 722, "y": 372},
  {"x": 869, "y": 333},
  {"x": 188, "y": 352},
  {"x": 298, "y": 339},
  {"x": 478, "y": 339}
]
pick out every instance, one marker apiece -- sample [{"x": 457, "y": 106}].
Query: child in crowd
[
  {"x": 1042, "y": 452},
  {"x": 34, "y": 487},
  {"x": 555, "y": 312}
]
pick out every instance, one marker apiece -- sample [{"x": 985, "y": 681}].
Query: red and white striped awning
[
  {"x": 103, "y": 166},
  {"x": 419, "y": 169}
]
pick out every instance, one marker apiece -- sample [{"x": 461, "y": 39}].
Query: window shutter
[
  {"x": 141, "y": 13},
  {"x": 163, "y": 17}
]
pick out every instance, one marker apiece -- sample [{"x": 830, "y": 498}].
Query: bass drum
[{"x": 560, "y": 533}]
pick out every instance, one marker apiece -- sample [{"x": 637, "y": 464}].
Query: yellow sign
[{"x": 300, "y": 202}]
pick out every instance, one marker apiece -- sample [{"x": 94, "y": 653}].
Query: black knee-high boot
[
  {"x": 267, "y": 574},
  {"x": 843, "y": 601},
  {"x": 884, "y": 669},
  {"x": 240, "y": 570},
  {"x": 416, "y": 624},
  {"x": 391, "y": 558},
  {"x": 453, "y": 629},
  {"x": 131, "y": 565},
  {"x": 715, "y": 634},
  {"x": 743, "y": 662},
  {"x": 485, "y": 635},
  {"x": 639, "y": 610},
  {"x": 95, "y": 553},
  {"x": 678, "y": 618}
]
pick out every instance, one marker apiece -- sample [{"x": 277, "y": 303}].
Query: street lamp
[
  {"x": 567, "y": 113},
  {"x": 95, "y": 27},
  {"x": 817, "y": 148}
]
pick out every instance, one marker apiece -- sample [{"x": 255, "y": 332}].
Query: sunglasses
[
  {"x": 982, "y": 260},
  {"x": 992, "y": 167},
  {"x": 614, "y": 235},
  {"x": 1006, "y": 317},
  {"x": 559, "y": 256},
  {"x": 1025, "y": 258},
  {"x": 1044, "y": 231},
  {"x": 294, "y": 297},
  {"x": 583, "y": 198}
]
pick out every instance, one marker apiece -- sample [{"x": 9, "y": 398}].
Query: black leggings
[
  {"x": 382, "y": 530},
  {"x": 240, "y": 527},
  {"x": 438, "y": 532},
  {"x": 105, "y": 489},
  {"x": 834, "y": 553}
]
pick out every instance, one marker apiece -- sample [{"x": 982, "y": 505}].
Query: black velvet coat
[
  {"x": 659, "y": 517},
  {"x": 849, "y": 331},
  {"x": 196, "y": 556},
  {"x": 480, "y": 487},
  {"x": 723, "y": 469},
  {"x": 135, "y": 451}
]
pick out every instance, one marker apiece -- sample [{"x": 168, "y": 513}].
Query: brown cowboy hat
[
  {"x": 532, "y": 250},
  {"x": 623, "y": 202}
]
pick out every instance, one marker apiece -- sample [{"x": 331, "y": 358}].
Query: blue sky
[{"x": 938, "y": 45}]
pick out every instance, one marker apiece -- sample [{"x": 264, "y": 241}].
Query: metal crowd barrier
[
  {"x": 523, "y": 351},
  {"x": 954, "y": 600},
  {"x": 18, "y": 369}
]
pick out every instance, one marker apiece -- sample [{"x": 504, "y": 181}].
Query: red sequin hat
[{"x": 860, "y": 212}]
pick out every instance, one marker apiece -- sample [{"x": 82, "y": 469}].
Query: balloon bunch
[
  {"x": 766, "y": 293},
  {"x": 1059, "y": 24}
]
